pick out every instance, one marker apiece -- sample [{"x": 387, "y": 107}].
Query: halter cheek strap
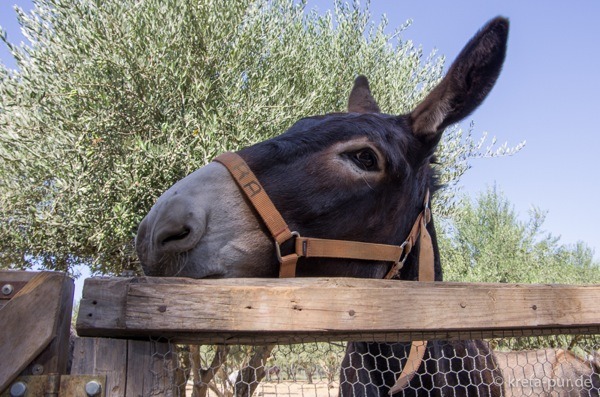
[
  {"x": 309, "y": 247},
  {"x": 426, "y": 273}
]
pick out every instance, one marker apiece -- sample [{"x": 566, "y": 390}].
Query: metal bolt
[
  {"x": 7, "y": 289},
  {"x": 93, "y": 388},
  {"x": 37, "y": 369},
  {"x": 18, "y": 389}
]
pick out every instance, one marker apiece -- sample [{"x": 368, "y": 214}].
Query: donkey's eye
[{"x": 365, "y": 159}]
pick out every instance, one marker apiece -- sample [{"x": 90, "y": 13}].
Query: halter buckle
[
  {"x": 295, "y": 235},
  {"x": 404, "y": 254},
  {"x": 399, "y": 264}
]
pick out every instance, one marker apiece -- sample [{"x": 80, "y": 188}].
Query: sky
[{"x": 547, "y": 95}]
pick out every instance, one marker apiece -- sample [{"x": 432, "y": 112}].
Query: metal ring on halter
[
  {"x": 399, "y": 264},
  {"x": 404, "y": 254},
  {"x": 278, "y": 246}
]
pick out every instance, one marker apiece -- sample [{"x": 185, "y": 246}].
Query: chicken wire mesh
[{"x": 556, "y": 365}]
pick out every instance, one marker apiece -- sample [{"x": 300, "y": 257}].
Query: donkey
[
  {"x": 359, "y": 176},
  {"x": 549, "y": 372}
]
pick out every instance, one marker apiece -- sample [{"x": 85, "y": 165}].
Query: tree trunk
[
  {"x": 250, "y": 376},
  {"x": 202, "y": 377}
]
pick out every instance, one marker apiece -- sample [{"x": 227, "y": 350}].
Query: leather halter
[{"x": 309, "y": 247}]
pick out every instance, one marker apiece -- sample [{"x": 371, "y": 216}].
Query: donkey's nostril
[
  {"x": 177, "y": 229},
  {"x": 176, "y": 237}
]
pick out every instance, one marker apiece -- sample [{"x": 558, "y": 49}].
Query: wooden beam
[
  {"x": 288, "y": 310},
  {"x": 14, "y": 281},
  {"x": 55, "y": 358},
  {"x": 34, "y": 319}
]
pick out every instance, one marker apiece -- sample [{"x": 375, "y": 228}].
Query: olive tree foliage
[
  {"x": 115, "y": 100},
  {"x": 488, "y": 242}
]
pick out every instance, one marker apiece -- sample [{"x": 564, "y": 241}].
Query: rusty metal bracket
[{"x": 54, "y": 385}]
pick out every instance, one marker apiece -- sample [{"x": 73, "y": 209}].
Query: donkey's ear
[
  {"x": 361, "y": 100},
  {"x": 469, "y": 80}
]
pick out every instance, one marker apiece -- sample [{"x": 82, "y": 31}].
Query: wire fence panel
[{"x": 555, "y": 365}]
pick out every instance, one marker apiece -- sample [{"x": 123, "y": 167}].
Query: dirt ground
[
  {"x": 321, "y": 389},
  {"x": 290, "y": 389}
]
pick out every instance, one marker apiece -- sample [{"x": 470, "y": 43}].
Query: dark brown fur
[{"x": 323, "y": 207}]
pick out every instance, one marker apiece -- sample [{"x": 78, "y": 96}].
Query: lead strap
[{"x": 426, "y": 273}]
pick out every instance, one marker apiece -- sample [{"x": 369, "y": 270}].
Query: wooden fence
[{"x": 117, "y": 316}]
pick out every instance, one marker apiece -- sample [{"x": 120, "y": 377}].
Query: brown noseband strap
[{"x": 324, "y": 248}]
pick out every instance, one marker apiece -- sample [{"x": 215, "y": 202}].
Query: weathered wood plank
[
  {"x": 29, "y": 322},
  {"x": 17, "y": 279},
  {"x": 284, "y": 309},
  {"x": 55, "y": 358},
  {"x": 151, "y": 369},
  {"x": 103, "y": 302},
  {"x": 132, "y": 368},
  {"x": 102, "y": 356}
]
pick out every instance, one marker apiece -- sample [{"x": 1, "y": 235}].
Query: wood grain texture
[
  {"x": 102, "y": 356},
  {"x": 151, "y": 369},
  {"x": 195, "y": 310},
  {"x": 132, "y": 368},
  {"x": 17, "y": 278},
  {"x": 55, "y": 358},
  {"x": 30, "y": 321}
]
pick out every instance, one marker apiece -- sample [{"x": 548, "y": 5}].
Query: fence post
[
  {"x": 132, "y": 367},
  {"x": 102, "y": 356},
  {"x": 35, "y": 324}
]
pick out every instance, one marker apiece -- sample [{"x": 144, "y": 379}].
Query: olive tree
[
  {"x": 115, "y": 100},
  {"x": 489, "y": 242}
]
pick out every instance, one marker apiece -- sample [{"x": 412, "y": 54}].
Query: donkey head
[{"x": 360, "y": 176}]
